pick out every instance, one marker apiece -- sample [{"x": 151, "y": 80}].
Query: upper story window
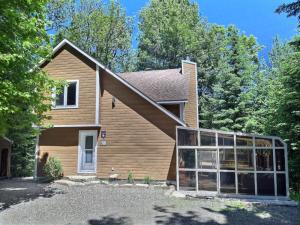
[{"x": 67, "y": 96}]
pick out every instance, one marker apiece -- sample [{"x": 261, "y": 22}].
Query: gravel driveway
[{"x": 24, "y": 202}]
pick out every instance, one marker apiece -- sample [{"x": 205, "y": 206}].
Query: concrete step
[{"x": 81, "y": 178}]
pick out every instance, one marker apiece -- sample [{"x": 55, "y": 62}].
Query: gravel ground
[{"x": 24, "y": 202}]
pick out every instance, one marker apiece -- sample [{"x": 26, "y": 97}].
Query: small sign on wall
[{"x": 103, "y": 137}]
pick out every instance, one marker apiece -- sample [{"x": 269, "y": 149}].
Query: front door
[
  {"x": 87, "y": 151},
  {"x": 3, "y": 167}
]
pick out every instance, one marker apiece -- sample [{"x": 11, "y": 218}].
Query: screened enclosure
[{"x": 228, "y": 163}]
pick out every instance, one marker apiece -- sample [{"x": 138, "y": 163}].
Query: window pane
[
  {"x": 186, "y": 158},
  {"x": 263, "y": 142},
  {"x": 264, "y": 159},
  {"x": 207, "y": 159},
  {"x": 265, "y": 184},
  {"x": 60, "y": 97},
  {"x": 89, "y": 142},
  {"x": 227, "y": 182},
  {"x": 225, "y": 140},
  {"x": 207, "y": 181},
  {"x": 208, "y": 138},
  {"x": 244, "y": 141},
  {"x": 278, "y": 143},
  {"x": 88, "y": 156},
  {"x": 281, "y": 185},
  {"x": 280, "y": 162},
  {"x": 246, "y": 183},
  {"x": 187, "y": 180},
  {"x": 71, "y": 99},
  {"x": 227, "y": 159},
  {"x": 187, "y": 137},
  {"x": 245, "y": 159}
]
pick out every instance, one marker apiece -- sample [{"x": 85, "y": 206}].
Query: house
[
  {"x": 5, "y": 156},
  {"x": 106, "y": 123}
]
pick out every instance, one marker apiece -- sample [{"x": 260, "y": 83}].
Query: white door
[{"x": 87, "y": 151}]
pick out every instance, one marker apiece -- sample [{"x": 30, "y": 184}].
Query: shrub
[
  {"x": 147, "y": 179},
  {"x": 130, "y": 178},
  {"x": 53, "y": 169}
]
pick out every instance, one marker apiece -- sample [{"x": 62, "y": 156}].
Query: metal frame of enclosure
[{"x": 212, "y": 162}]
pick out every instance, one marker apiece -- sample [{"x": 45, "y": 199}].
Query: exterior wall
[
  {"x": 139, "y": 136},
  {"x": 175, "y": 109},
  {"x": 68, "y": 65},
  {"x": 61, "y": 143},
  {"x": 4, "y": 144},
  {"x": 191, "y": 107}
]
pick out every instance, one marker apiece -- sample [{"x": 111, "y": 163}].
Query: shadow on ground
[
  {"x": 110, "y": 220},
  {"x": 272, "y": 215},
  {"x": 14, "y": 191}
]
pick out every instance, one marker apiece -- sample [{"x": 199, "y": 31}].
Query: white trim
[
  {"x": 36, "y": 156},
  {"x": 181, "y": 111},
  {"x": 95, "y": 134},
  {"x": 65, "y": 41},
  {"x": 7, "y": 139},
  {"x": 65, "y": 106},
  {"x": 97, "y": 94},
  {"x": 79, "y": 125},
  {"x": 172, "y": 102}
]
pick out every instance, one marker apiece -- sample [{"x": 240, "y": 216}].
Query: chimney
[{"x": 189, "y": 69}]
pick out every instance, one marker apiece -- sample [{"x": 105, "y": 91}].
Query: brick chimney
[{"x": 189, "y": 69}]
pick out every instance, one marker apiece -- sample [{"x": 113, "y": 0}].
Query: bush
[
  {"x": 53, "y": 169},
  {"x": 130, "y": 178},
  {"x": 147, "y": 179}
]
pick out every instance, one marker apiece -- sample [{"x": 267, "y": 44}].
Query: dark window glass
[
  {"x": 187, "y": 180},
  {"x": 207, "y": 181},
  {"x": 187, "y": 137},
  {"x": 60, "y": 97},
  {"x": 265, "y": 184},
  {"x": 263, "y": 142},
  {"x": 186, "y": 158},
  {"x": 227, "y": 159},
  {"x": 225, "y": 140},
  {"x": 207, "y": 159},
  {"x": 264, "y": 159},
  {"x": 280, "y": 162},
  {"x": 278, "y": 143},
  {"x": 245, "y": 159},
  {"x": 208, "y": 138},
  {"x": 88, "y": 156},
  {"x": 246, "y": 183},
  {"x": 71, "y": 98},
  {"x": 281, "y": 185},
  {"x": 227, "y": 182},
  {"x": 89, "y": 142},
  {"x": 244, "y": 141}
]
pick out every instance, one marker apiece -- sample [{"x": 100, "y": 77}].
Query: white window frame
[{"x": 65, "y": 106}]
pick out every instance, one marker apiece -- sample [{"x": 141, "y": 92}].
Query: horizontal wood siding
[
  {"x": 139, "y": 138},
  {"x": 67, "y": 65},
  {"x": 191, "y": 107}
]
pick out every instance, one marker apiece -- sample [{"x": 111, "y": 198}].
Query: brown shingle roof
[{"x": 159, "y": 85}]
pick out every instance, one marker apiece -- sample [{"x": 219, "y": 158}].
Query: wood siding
[
  {"x": 140, "y": 137},
  {"x": 68, "y": 65},
  {"x": 191, "y": 107}
]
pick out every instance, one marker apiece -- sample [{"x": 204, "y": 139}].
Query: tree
[
  {"x": 292, "y": 9},
  {"x": 170, "y": 30},
  {"x": 101, "y": 29},
  {"x": 23, "y": 43}
]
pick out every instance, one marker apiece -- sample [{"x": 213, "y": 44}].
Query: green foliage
[
  {"x": 101, "y": 29},
  {"x": 130, "y": 178},
  {"x": 23, "y": 43},
  {"x": 53, "y": 169},
  {"x": 170, "y": 30},
  {"x": 147, "y": 180},
  {"x": 292, "y": 9}
]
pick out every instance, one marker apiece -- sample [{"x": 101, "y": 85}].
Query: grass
[{"x": 295, "y": 196}]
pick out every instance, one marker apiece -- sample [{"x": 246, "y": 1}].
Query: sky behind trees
[{"x": 255, "y": 17}]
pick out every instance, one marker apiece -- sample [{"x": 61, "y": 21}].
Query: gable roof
[
  {"x": 119, "y": 78},
  {"x": 160, "y": 85}
]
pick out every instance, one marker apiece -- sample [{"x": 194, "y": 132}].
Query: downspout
[{"x": 36, "y": 157}]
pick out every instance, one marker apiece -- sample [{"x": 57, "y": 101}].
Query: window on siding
[{"x": 67, "y": 95}]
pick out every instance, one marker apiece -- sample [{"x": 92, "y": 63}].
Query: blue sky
[{"x": 255, "y": 17}]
